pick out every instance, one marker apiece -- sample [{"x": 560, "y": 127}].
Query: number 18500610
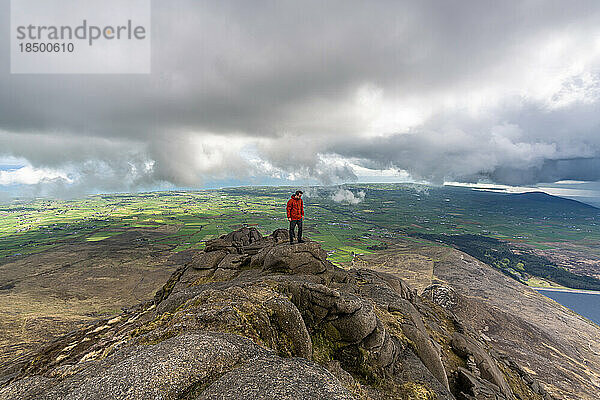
[{"x": 46, "y": 47}]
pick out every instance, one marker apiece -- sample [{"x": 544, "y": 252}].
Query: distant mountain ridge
[{"x": 543, "y": 196}]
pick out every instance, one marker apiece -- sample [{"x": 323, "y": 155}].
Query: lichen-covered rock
[
  {"x": 243, "y": 237},
  {"x": 443, "y": 295},
  {"x": 165, "y": 370},
  {"x": 277, "y": 379},
  {"x": 234, "y": 261},
  {"x": 472, "y": 387},
  {"x": 392, "y": 294},
  {"x": 356, "y": 326},
  {"x": 234, "y": 242},
  {"x": 220, "y": 244},
  {"x": 427, "y": 353},
  {"x": 381, "y": 345},
  {"x": 286, "y": 317},
  {"x": 280, "y": 235},
  {"x": 300, "y": 258},
  {"x": 207, "y": 260},
  {"x": 375, "y": 280},
  {"x": 465, "y": 347}
]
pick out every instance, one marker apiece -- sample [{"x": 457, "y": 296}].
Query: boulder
[
  {"x": 281, "y": 235},
  {"x": 220, "y": 244},
  {"x": 208, "y": 260},
  {"x": 465, "y": 347},
  {"x": 257, "y": 260},
  {"x": 234, "y": 241},
  {"x": 301, "y": 258},
  {"x": 382, "y": 280},
  {"x": 473, "y": 388},
  {"x": 162, "y": 371},
  {"x": 234, "y": 261},
  {"x": 277, "y": 379},
  {"x": 223, "y": 274},
  {"x": 358, "y": 325},
  {"x": 287, "y": 320},
  {"x": 243, "y": 237},
  {"x": 442, "y": 295},
  {"x": 380, "y": 345},
  {"x": 427, "y": 353}
]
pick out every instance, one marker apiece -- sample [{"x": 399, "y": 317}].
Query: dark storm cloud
[
  {"x": 587, "y": 169},
  {"x": 515, "y": 145},
  {"x": 284, "y": 81}
]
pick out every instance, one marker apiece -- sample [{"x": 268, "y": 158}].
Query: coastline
[{"x": 565, "y": 290}]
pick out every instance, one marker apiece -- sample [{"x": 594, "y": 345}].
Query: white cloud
[
  {"x": 347, "y": 196},
  {"x": 27, "y": 175}
]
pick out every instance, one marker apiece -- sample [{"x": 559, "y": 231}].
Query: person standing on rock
[{"x": 295, "y": 213}]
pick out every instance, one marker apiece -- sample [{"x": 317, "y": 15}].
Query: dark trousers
[{"x": 293, "y": 224}]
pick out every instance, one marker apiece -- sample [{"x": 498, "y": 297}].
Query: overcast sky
[{"x": 506, "y": 92}]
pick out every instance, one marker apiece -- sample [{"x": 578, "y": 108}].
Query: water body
[{"x": 586, "y": 304}]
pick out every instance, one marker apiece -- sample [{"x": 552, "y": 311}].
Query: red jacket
[{"x": 295, "y": 209}]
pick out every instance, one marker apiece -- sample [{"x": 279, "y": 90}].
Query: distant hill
[{"x": 556, "y": 200}]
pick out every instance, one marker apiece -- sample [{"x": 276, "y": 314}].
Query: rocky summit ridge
[{"x": 253, "y": 317}]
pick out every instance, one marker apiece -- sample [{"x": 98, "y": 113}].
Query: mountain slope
[
  {"x": 542, "y": 197},
  {"x": 255, "y": 317},
  {"x": 552, "y": 343}
]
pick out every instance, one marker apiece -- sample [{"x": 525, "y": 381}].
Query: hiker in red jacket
[{"x": 295, "y": 213}]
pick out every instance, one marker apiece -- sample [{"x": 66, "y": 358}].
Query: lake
[{"x": 586, "y": 304}]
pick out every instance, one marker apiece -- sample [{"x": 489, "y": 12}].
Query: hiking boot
[{"x": 300, "y": 241}]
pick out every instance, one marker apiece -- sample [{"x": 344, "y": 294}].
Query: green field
[{"x": 387, "y": 211}]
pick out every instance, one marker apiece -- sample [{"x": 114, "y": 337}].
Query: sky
[{"x": 282, "y": 92}]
